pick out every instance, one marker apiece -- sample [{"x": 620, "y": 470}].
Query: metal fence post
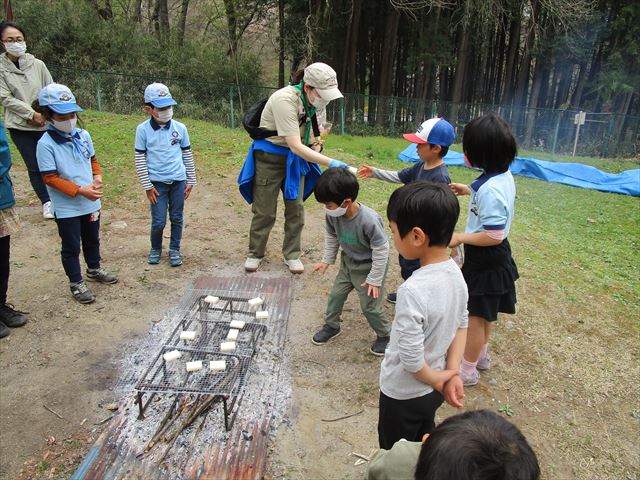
[
  {"x": 232, "y": 115},
  {"x": 98, "y": 92},
  {"x": 342, "y": 116}
]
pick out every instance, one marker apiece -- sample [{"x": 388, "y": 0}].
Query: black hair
[
  {"x": 443, "y": 149},
  {"x": 336, "y": 185},
  {"x": 297, "y": 76},
  {"x": 8, "y": 23},
  {"x": 477, "y": 445},
  {"x": 488, "y": 143},
  {"x": 432, "y": 207}
]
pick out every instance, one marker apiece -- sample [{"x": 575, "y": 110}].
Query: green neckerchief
[{"x": 309, "y": 111}]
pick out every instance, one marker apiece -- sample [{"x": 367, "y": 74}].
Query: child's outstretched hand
[
  {"x": 92, "y": 192},
  {"x": 372, "y": 291},
  {"x": 460, "y": 189},
  {"x": 320, "y": 267},
  {"x": 365, "y": 171},
  {"x": 187, "y": 191},
  {"x": 152, "y": 195},
  {"x": 454, "y": 392}
]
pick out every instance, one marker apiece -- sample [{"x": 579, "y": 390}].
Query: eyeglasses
[{"x": 13, "y": 40}]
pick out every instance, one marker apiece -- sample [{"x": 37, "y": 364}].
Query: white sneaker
[
  {"x": 252, "y": 264},
  {"x": 46, "y": 210},
  {"x": 295, "y": 266}
]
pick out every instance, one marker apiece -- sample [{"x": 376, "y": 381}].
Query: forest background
[{"x": 536, "y": 62}]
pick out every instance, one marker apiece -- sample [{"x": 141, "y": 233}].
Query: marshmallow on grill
[
  {"x": 188, "y": 335},
  {"x": 262, "y": 314},
  {"x": 217, "y": 365},
  {"x": 233, "y": 334},
  {"x": 227, "y": 346},
  {"x": 172, "y": 355},
  {"x": 254, "y": 302},
  {"x": 194, "y": 366},
  {"x": 211, "y": 299},
  {"x": 237, "y": 324}
]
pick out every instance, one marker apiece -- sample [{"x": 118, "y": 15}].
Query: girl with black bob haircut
[
  {"x": 488, "y": 269},
  {"x": 477, "y": 445}
]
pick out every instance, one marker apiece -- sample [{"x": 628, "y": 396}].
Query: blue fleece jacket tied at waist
[{"x": 296, "y": 167}]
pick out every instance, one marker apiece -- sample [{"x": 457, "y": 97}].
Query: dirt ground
[{"x": 65, "y": 358}]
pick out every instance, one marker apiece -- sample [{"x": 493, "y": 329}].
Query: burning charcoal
[{"x": 246, "y": 435}]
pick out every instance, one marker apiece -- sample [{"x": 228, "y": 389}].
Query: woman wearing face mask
[
  {"x": 279, "y": 162},
  {"x": 71, "y": 172},
  {"x": 22, "y": 76}
]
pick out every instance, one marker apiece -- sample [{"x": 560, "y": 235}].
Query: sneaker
[
  {"x": 471, "y": 380},
  {"x": 82, "y": 293},
  {"x": 484, "y": 363},
  {"x": 325, "y": 334},
  {"x": 101, "y": 275},
  {"x": 175, "y": 259},
  {"x": 295, "y": 265},
  {"x": 379, "y": 346},
  {"x": 46, "y": 210},
  {"x": 154, "y": 257},
  {"x": 4, "y": 330},
  {"x": 391, "y": 298},
  {"x": 252, "y": 264},
  {"x": 11, "y": 317}
]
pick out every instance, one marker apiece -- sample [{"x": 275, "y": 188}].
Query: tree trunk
[
  {"x": 281, "y": 44},
  {"x": 387, "y": 70},
  {"x": 182, "y": 24},
  {"x": 137, "y": 12},
  {"x": 511, "y": 70},
  {"x": 461, "y": 52},
  {"x": 348, "y": 77}
]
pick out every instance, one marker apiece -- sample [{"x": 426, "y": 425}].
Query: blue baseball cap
[
  {"x": 58, "y": 98},
  {"x": 436, "y": 131},
  {"x": 158, "y": 95}
]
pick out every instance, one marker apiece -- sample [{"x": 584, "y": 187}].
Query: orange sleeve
[
  {"x": 95, "y": 166},
  {"x": 62, "y": 184}
]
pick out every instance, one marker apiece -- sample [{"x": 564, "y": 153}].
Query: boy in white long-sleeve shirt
[
  {"x": 429, "y": 330},
  {"x": 359, "y": 232}
]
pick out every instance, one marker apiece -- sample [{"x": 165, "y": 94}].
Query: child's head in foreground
[
  {"x": 158, "y": 102},
  {"x": 488, "y": 143},
  {"x": 477, "y": 445},
  {"x": 422, "y": 215},
  {"x": 336, "y": 188}
]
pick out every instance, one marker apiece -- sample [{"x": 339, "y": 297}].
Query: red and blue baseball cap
[
  {"x": 436, "y": 131},
  {"x": 58, "y": 98},
  {"x": 158, "y": 95}
]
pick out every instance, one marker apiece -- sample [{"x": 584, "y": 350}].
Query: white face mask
[
  {"x": 338, "y": 212},
  {"x": 319, "y": 102},
  {"x": 65, "y": 126},
  {"x": 165, "y": 115},
  {"x": 17, "y": 49}
]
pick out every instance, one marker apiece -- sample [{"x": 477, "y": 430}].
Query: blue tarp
[{"x": 574, "y": 174}]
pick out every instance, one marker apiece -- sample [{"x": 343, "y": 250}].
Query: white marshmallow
[
  {"x": 211, "y": 299},
  {"x": 255, "y": 301},
  {"x": 262, "y": 314},
  {"x": 238, "y": 324},
  {"x": 188, "y": 335},
  {"x": 217, "y": 365},
  {"x": 353, "y": 170},
  {"x": 233, "y": 334},
  {"x": 194, "y": 366},
  {"x": 172, "y": 355},
  {"x": 227, "y": 346}
]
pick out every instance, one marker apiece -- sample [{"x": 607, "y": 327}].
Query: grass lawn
[{"x": 573, "y": 352}]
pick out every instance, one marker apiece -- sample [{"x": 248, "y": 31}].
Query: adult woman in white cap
[
  {"x": 286, "y": 158},
  {"x": 22, "y": 76}
]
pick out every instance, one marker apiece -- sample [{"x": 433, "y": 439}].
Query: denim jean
[
  {"x": 407, "y": 267},
  {"x": 170, "y": 197},
  {"x": 74, "y": 231}
]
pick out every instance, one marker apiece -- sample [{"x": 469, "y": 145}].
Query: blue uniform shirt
[
  {"x": 492, "y": 203},
  {"x": 163, "y": 146},
  {"x": 70, "y": 157}
]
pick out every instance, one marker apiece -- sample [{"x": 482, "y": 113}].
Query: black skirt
[{"x": 490, "y": 273}]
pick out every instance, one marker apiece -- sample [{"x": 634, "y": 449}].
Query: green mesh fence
[{"x": 546, "y": 130}]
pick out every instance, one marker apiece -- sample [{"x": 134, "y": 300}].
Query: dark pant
[
  {"x": 26, "y": 142},
  {"x": 170, "y": 196},
  {"x": 73, "y": 230},
  {"x": 4, "y": 268},
  {"x": 408, "y": 419},
  {"x": 407, "y": 267}
]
